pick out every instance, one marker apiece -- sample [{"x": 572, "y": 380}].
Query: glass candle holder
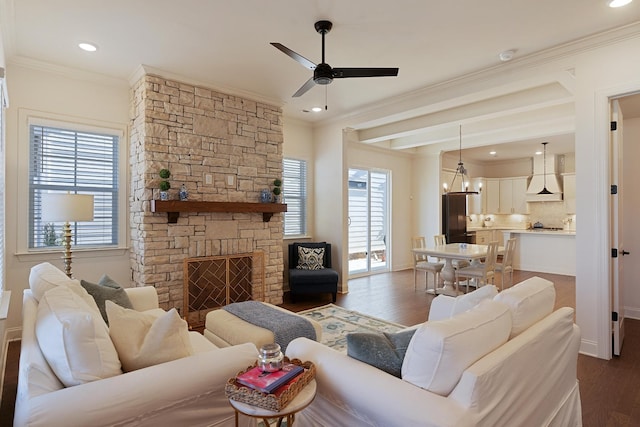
[{"x": 270, "y": 358}]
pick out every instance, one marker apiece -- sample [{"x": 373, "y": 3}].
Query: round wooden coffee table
[{"x": 301, "y": 401}]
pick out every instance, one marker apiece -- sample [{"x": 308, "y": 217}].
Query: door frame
[
  {"x": 388, "y": 244},
  {"x": 602, "y": 348},
  {"x": 616, "y": 203}
]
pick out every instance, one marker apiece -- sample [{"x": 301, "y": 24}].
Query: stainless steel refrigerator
[{"x": 454, "y": 217}]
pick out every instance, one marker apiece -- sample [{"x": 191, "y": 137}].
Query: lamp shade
[{"x": 63, "y": 207}]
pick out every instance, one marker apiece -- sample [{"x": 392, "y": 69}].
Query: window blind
[
  {"x": 79, "y": 162},
  {"x": 294, "y": 190}
]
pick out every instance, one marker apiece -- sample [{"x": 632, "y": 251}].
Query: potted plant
[
  {"x": 277, "y": 190},
  {"x": 164, "y": 184}
]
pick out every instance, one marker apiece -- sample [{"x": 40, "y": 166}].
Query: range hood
[{"x": 537, "y": 182}]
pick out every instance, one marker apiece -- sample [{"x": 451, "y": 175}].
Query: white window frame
[
  {"x": 31, "y": 117},
  {"x": 303, "y": 214}
]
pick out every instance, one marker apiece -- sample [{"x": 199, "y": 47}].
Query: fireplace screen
[{"x": 212, "y": 282}]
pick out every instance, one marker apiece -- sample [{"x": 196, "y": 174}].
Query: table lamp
[{"x": 67, "y": 208}]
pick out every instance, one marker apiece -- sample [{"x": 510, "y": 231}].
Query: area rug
[{"x": 337, "y": 322}]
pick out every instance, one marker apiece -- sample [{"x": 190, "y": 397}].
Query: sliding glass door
[{"x": 368, "y": 221}]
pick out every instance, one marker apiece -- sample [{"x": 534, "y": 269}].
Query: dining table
[{"x": 452, "y": 251}]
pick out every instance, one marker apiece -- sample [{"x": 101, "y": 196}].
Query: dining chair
[
  {"x": 482, "y": 272},
  {"x": 506, "y": 266},
  {"x": 441, "y": 240},
  {"x": 422, "y": 263}
]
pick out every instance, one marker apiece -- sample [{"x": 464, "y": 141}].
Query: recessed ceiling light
[
  {"x": 538, "y": 153},
  {"x": 493, "y": 153},
  {"x": 618, "y": 3},
  {"x": 316, "y": 109},
  {"x": 507, "y": 55},
  {"x": 88, "y": 47}
]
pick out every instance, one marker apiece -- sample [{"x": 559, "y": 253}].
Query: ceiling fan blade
[
  {"x": 343, "y": 73},
  {"x": 296, "y": 56},
  {"x": 305, "y": 87}
]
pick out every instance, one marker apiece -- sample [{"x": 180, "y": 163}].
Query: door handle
[{"x": 625, "y": 252}]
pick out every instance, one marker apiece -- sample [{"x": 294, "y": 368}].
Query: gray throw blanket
[{"x": 285, "y": 326}]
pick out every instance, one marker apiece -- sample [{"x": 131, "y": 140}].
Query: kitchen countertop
[
  {"x": 525, "y": 231},
  {"x": 543, "y": 231}
]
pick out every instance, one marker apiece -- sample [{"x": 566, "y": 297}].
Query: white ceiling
[{"x": 225, "y": 44}]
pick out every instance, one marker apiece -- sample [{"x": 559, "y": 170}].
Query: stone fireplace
[{"x": 223, "y": 148}]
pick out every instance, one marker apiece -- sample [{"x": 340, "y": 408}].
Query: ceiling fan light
[{"x": 618, "y": 3}]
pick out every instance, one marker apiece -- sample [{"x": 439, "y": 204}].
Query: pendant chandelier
[
  {"x": 544, "y": 159},
  {"x": 462, "y": 171}
]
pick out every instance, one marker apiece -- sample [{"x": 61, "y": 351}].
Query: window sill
[
  {"x": 300, "y": 237},
  {"x": 37, "y": 255}
]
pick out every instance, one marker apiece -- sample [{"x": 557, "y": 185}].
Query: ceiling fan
[{"x": 323, "y": 73}]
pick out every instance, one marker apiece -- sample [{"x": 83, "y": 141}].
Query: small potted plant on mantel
[
  {"x": 277, "y": 190},
  {"x": 164, "y": 184}
]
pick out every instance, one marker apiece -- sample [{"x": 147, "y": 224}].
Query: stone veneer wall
[{"x": 194, "y": 131}]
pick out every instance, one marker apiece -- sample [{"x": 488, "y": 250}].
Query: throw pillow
[
  {"x": 145, "y": 340},
  {"x": 107, "y": 289},
  {"x": 108, "y": 281},
  {"x": 310, "y": 258},
  {"x": 44, "y": 277},
  {"x": 440, "y": 351},
  {"x": 74, "y": 339},
  {"x": 384, "y": 351}
]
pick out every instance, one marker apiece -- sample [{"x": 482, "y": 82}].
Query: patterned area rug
[{"x": 337, "y": 322}]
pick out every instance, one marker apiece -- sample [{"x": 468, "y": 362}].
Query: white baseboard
[
  {"x": 589, "y": 348},
  {"x": 632, "y": 313}
]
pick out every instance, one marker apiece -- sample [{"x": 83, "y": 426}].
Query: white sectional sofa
[
  {"x": 188, "y": 391},
  {"x": 508, "y": 361}
]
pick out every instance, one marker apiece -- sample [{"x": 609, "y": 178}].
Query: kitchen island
[{"x": 545, "y": 251}]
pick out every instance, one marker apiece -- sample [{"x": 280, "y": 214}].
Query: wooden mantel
[{"x": 174, "y": 207}]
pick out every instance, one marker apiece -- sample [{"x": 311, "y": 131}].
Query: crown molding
[{"x": 73, "y": 73}]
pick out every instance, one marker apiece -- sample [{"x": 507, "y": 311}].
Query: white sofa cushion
[
  {"x": 45, "y": 276},
  {"x": 74, "y": 339},
  {"x": 530, "y": 301},
  {"x": 143, "y": 339},
  {"x": 440, "y": 351},
  {"x": 445, "y": 306},
  {"x": 468, "y": 301}
]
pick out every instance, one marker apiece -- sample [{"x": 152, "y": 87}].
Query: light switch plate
[{"x": 208, "y": 179}]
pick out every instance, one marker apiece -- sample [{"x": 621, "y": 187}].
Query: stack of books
[{"x": 270, "y": 382}]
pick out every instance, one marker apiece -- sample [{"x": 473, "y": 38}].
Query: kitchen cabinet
[
  {"x": 513, "y": 193},
  {"x": 477, "y": 203},
  {"x": 492, "y": 196},
  {"x": 484, "y": 237},
  {"x": 569, "y": 184}
]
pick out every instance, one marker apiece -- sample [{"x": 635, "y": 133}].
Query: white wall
[
  {"x": 85, "y": 98},
  {"x": 426, "y": 193},
  {"x": 298, "y": 144}
]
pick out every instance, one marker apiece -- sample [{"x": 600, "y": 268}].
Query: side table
[{"x": 301, "y": 401}]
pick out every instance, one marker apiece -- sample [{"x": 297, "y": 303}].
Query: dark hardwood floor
[{"x": 609, "y": 390}]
